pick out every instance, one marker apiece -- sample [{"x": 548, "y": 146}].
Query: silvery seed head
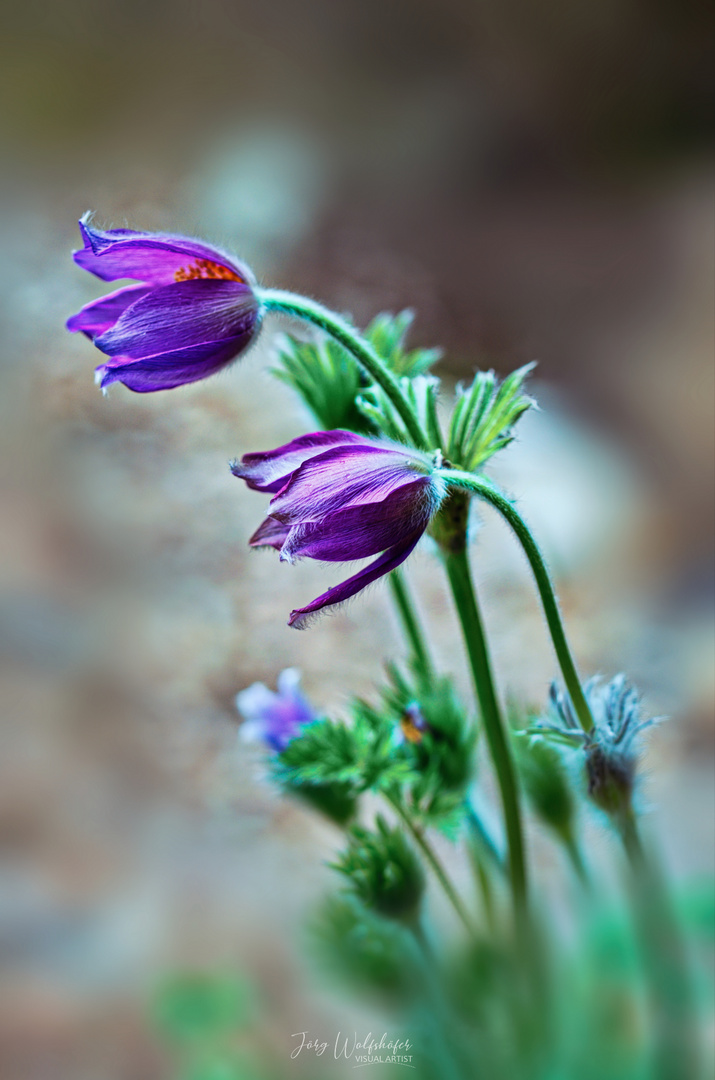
[{"x": 611, "y": 747}]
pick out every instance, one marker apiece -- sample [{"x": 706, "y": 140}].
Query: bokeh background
[{"x": 535, "y": 180}]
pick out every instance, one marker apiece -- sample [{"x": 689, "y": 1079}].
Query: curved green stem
[
  {"x": 460, "y": 579},
  {"x": 300, "y": 307},
  {"x": 439, "y": 871},
  {"x": 479, "y": 486},
  {"x": 411, "y": 625}
]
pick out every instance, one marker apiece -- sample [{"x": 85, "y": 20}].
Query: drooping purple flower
[
  {"x": 338, "y": 496},
  {"x": 194, "y": 312},
  {"x": 274, "y": 718}
]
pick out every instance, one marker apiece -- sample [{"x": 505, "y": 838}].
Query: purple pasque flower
[
  {"x": 193, "y": 313},
  {"x": 274, "y": 718},
  {"x": 338, "y": 496}
]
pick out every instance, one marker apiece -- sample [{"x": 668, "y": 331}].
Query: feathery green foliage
[
  {"x": 382, "y": 869},
  {"x": 484, "y": 417},
  {"x": 330, "y": 381}
]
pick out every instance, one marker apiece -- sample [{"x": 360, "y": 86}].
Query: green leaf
[
  {"x": 484, "y": 417},
  {"x": 324, "y": 752},
  {"x": 421, "y": 391},
  {"x": 326, "y": 377},
  {"x": 330, "y": 381},
  {"x": 359, "y": 756},
  {"x": 387, "y": 334}
]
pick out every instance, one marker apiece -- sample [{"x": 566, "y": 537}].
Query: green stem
[
  {"x": 439, "y": 871},
  {"x": 483, "y": 855},
  {"x": 411, "y": 625},
  {"x": 484, "y": 882},
  {"x": 482, "y": 838},
  {"x": 573, "y": 850},
  {"x": 479, "y": 486},
  {"x": 457, "y": 564},
  {"x": 675, "y": 1050},
  {"x": 300, "y": 307}
]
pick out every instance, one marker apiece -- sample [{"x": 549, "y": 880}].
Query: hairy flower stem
[
  {"x": 411, "y": 625},
  {"x": 675, "y": 1051},
  {"x": 485, "y": 490},
  {"x": 300, "y": 307},
  {"x": 484, "y": 858},
  {"x": 482, "y": 838},
  {"x": 460, "y": 579},
  {"x": 439, "y": 871},
  {"x": 577, "y": 861}
]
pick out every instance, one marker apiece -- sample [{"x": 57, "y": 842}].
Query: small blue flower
[{"x": 274, "y": 718}]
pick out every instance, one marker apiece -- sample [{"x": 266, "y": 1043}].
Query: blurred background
[{"x": 535, "y": 180}]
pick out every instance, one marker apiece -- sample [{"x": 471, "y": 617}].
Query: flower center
[
  {"x": 410, "y": 730},
  {"x": 204, "y": 268}
]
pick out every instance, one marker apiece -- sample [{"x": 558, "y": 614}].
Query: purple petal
[
  {"x": 361, "y": 531},
  {"x": 271, "y": 533},
  {"x": 270, "y": 470},
  {"x": 342, "y": 477},
  {"x": 171, "y": 369},
  {"x": 157, "y": 258},
  {"x": 98, "y": 316},
  {"x": 357, "y": 582},
  {"x": 180, "y": 316}
]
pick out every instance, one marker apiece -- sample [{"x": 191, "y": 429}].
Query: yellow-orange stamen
[
  {"x": 410, "y": 730},
  {"x": 204, "y": 268}
]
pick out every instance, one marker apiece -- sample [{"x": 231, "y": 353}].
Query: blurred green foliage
[
  {"x": 382, "y": 869},
  {"x": 332, "y": 384},
  {"x": 196, "y": 1005},
  {"x": 203, "y": 1017}
]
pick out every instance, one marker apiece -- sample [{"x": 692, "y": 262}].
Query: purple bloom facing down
[
  {"x": 194, "y": 313},
  {"x": 338, "y": 496},
  {"x": 274, "y": 718}
]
